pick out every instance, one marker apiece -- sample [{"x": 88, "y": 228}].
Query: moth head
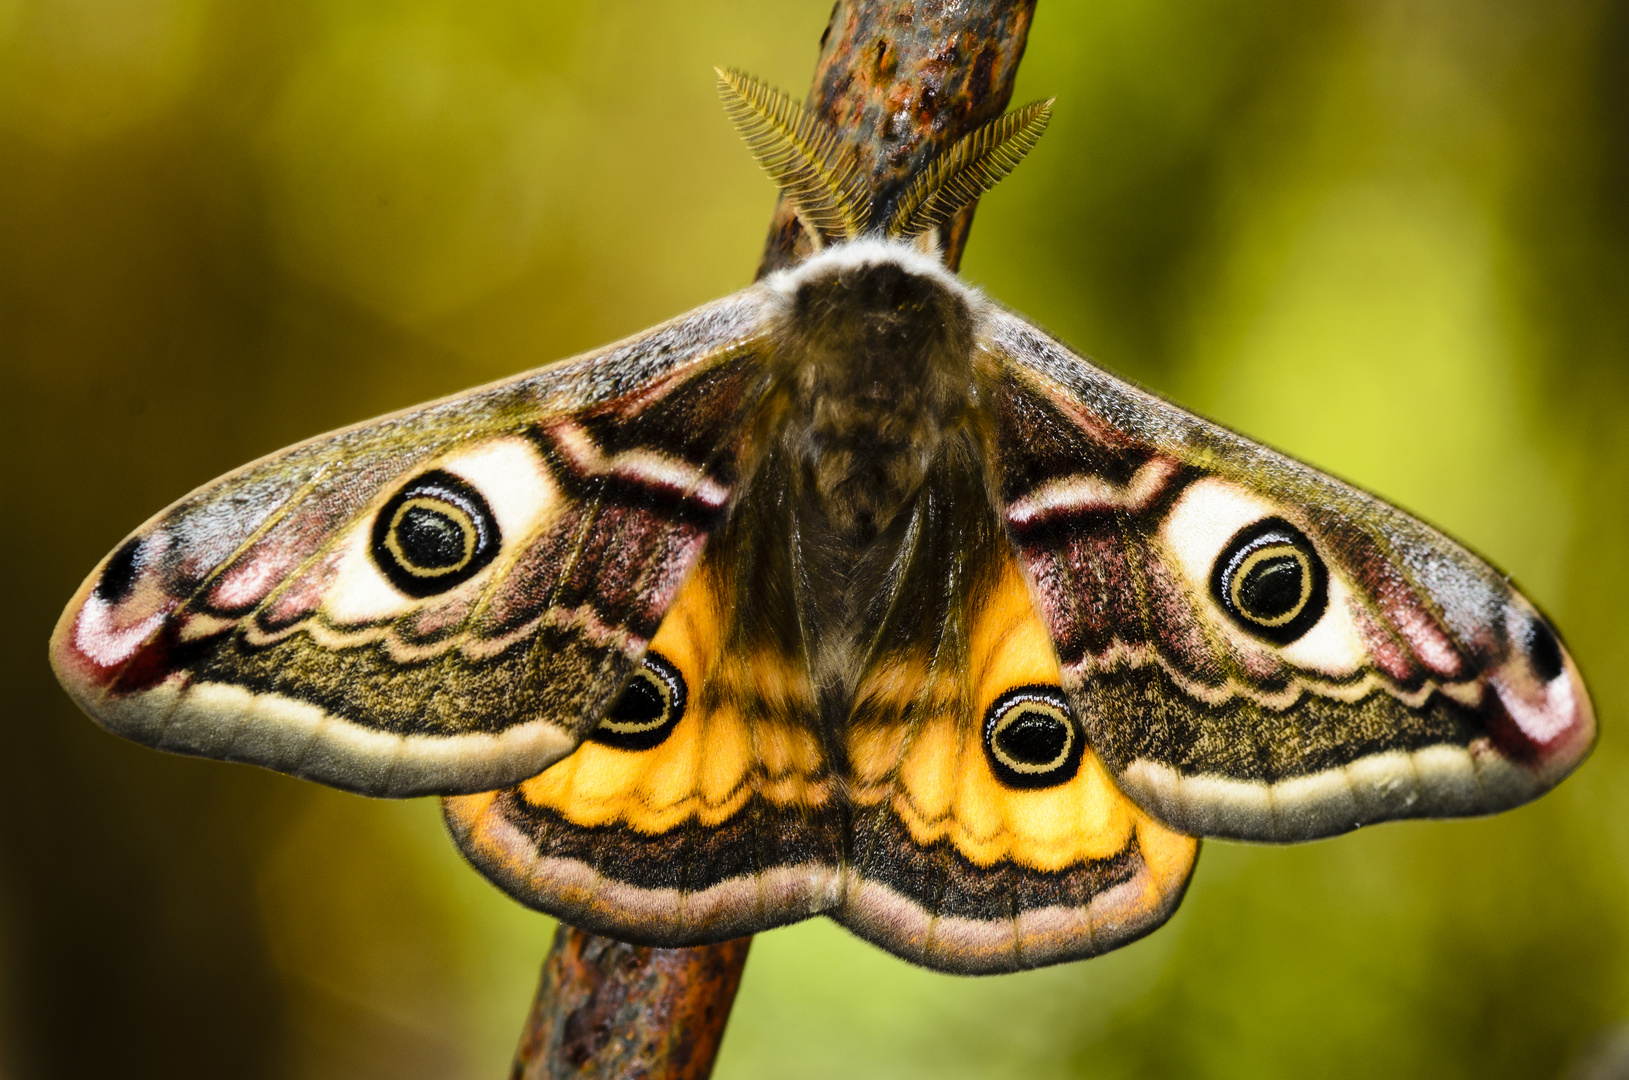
[{"x": 821, "y": 175}]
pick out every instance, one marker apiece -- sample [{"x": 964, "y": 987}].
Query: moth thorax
[{"x": 882, "y": 372}]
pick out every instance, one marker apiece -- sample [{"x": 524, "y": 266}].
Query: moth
[{"x": 852, "y": 593}]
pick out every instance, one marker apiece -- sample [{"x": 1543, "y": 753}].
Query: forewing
[
  {"x": 964, "y": 857},
  {"x": 443, "y": 600},
  {"x": 1258, "y": 650},
  {"x": 722, "y": 820}
]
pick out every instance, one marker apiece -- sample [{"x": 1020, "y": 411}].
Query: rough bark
[
  {"x": 606, "y": 1009},
  {"x": 904, "y": 79}
]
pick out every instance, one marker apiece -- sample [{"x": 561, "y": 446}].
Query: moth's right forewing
[
  {"x": 1401, "y": 677},
  {"x": 445, "y": 599}
]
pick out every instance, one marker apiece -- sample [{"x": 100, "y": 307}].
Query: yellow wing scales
[
  {"x": 750, "y": 811},
  {"x": 944, "y": 792}
]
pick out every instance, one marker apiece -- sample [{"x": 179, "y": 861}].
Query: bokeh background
[{"x": 1389, "y": 236}]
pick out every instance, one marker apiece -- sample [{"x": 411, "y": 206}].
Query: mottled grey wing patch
[{"x": 1421, "y": 684}]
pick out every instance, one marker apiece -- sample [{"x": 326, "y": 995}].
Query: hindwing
[
  {"x": 729, "y": 821},
  {"x": 892, "y": 814},
  {"x": 986, "y": 833}
]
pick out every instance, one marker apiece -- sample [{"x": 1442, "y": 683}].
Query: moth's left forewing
[
  {"x": 1261, "y": 651},
  {"x": 441, "y": 600}
]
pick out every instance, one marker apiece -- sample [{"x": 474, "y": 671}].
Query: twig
[
  {"x": 608, "y": 1009},
  {"x": 902, "y": 79}
]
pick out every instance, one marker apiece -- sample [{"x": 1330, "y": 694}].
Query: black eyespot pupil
[
  {"x": 1543, "y": 651},
  {"x": 1272, "y": 587},
  {"x": 431, "y": 540},
  {"x": 1031, "y": 740},
  {"x": 640, "y": 704},
  {"x": 1034, "y": 738}
]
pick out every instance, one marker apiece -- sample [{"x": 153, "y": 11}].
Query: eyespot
[
  {"x": 1271, "y": 580},
  {"x": 1031, "y": 738},
  {"x": 434, "y": 534},
  {"x": 648, "y": 710}
]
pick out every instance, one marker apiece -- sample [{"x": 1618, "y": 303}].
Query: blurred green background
[{"x": 1389, "y": 236}]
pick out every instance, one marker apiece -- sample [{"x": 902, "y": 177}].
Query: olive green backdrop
[{"x": 1391, "y": 237}]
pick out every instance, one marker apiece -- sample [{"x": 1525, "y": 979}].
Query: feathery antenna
[
  {"x": 816, "y": 171},
  {"x": 967, "y": 170}
]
